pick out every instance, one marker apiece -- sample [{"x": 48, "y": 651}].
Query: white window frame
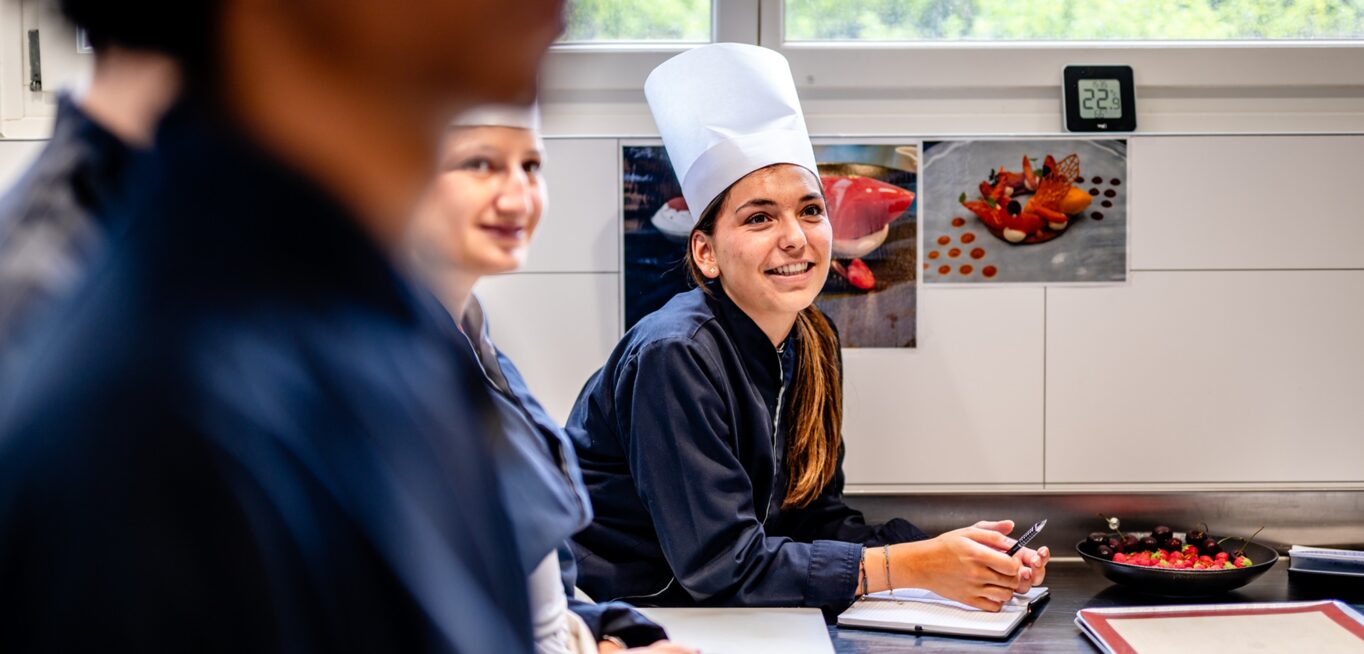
[
  {"x": 937, "y": 88},
  {"x": 967, "y": 64},
  {"x": 597, "y": 89},
  {"x": 623, "y": 66},
  {"x": 966, "y": 87},
  {"x": 26, "y": 114}
]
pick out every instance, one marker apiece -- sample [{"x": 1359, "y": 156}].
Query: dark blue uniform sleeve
[
  {"x": 607, "y": 618},
  {"x": 828, "y": 516},
  {"x": 617, "y": 619},
  {"x": 675, "y": 424}
]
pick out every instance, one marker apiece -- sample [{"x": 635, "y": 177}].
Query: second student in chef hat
[{"x": 478, "y": 219}]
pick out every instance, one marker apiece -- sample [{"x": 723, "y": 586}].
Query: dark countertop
[{"x": 1073, "y": 587}]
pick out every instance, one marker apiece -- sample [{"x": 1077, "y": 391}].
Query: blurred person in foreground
[
  {"x": 53, "y": 221},
  {"x": 476, "y": 220},
  {"x": 246, "y": 431}
]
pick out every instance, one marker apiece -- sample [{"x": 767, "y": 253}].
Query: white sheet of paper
[{"x": 743, "y": 631}]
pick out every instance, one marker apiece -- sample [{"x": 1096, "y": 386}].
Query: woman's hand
[
  {"x": 1034, "y": 567},
  {"x": 967, "y": 565},
  {"x": 1034, "y": 562},
  {"x": 660, "y": 647}
]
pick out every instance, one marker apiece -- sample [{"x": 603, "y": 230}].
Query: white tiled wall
[
  {"x": 1208, "y": 377},
  {"x": 964, "y": 407},
  {"x": 557, "y": 328},
  {"x": 15, "y": 157},
  {"x": 580, "y": 230},
  {"x": 1247, "y": 202},
  {"x": 1241, "y": 333}
]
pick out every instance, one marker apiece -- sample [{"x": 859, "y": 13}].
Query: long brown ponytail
[
  {"x": 815, "y": 409},
  {"x": 814, "y": 403}
]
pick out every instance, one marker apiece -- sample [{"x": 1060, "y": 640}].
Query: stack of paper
[{"x": 1326, "y": 561}]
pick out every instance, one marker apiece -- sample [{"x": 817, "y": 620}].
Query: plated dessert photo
[{"x": 1055, "y": 211}]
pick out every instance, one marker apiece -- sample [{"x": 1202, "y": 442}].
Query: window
[
  {"x": 983, "y": 66},
  {"x": 635, "y": 21},
  {"x": 1071, "y": 20}
]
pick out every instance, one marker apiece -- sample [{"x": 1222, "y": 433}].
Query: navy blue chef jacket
[
  {"x": 247, "y": 433},
  {"x": 52, "y": 220},
  {"x": 539, "y": 475},
  {"x": 538, "y": 471},
  {"x": 684, "y": 460}
]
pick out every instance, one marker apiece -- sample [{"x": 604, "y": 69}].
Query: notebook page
[
  {"x": 923, "y": 595},
  {"x": 917, "y": 607}
]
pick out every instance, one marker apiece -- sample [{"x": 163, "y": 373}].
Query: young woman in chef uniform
[
  {"x": 710, "y": 441},
  {"x": 476, "y": 220}
]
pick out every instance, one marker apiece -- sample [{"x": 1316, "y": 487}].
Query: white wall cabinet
[
  {"x": 580, "y": 230},
  {"x": 24, "y": 112},
  {"x": 1207, "y": 377},
  {"x": 963, "y": 408},
  {"x": 557, "y": 328}
]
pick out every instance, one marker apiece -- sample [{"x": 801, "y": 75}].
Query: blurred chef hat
[
  {"x": 724, "y": 111},
  {"x": 500, "y": 115}
]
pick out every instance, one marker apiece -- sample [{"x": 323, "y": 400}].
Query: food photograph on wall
[
  {"x": 1025, "y": 211},
  {"x": 870, "y": 190}
]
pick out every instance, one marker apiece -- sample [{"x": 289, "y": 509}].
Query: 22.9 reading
[{"x": 1100, "y": 98}]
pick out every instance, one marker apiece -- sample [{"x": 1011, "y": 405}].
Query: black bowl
[{"x": 1184, "y": 583}]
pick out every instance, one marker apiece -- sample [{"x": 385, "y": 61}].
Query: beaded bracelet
[{"x": 885, "y": 556}]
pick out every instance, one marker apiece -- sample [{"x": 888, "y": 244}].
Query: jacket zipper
[
  {"x": 767, "y": 506},
  {"x": 776, "y": 425}
]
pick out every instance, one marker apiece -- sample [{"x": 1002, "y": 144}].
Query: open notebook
[{"x": 916, "y": 610}]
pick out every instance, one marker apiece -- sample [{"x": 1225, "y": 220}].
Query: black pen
[{"x": 1027, "y": 537}]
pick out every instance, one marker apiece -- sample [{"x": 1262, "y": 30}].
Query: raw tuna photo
[{"x": 870, "y": 191}]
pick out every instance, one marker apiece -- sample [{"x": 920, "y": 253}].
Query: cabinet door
[{"x": 28, "y": 95}]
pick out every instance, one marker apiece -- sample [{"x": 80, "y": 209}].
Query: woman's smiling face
[
  {"x": 486, "y": 202},
  {"x": 771, "y": 242}
]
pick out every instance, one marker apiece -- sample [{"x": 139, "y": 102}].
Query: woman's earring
[{"x": 714, "y": 271}]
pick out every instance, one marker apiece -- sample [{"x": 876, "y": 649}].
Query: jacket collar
[
  {"x": 102, "y": 160},
  {"x": 761, "y": 359}
]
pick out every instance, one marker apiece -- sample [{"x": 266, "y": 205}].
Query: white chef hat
[
  {"x": 724, "y": 111},
  {"x": 500, "y": 115}
]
